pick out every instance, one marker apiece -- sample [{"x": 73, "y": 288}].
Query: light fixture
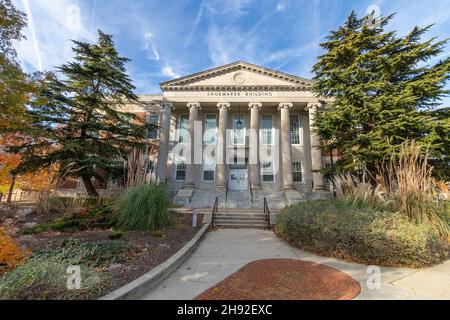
[{"x": 239, "y": 125}]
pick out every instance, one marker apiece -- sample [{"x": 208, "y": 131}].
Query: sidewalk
[{"x": 224, "y": 252}]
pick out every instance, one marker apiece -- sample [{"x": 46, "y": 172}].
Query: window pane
[
  {"x": 297, "y": 171},
  {"x": 210, "y": 129},
  {"x": 183, "y": 128},
  {"x": 295, "y": 129},
  {"x": 208, "y": 175},
  {"x": 266, "y": 126},
  {"x": 181, "y": 171},
  {"x": 267, "y": 172},
  {"x": 154, "y": 120}
]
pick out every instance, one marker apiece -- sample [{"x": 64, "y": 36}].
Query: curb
[{"x": 137, "y": 288}]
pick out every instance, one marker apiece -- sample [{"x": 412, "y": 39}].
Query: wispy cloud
[
  {"x": 51, "y": 26},
  {"x": 34, "y": 39},
  {"x": 150, "y": 46},
  {"x": 168, "y": 71},
  {"x": 197, "y": 20},
  {"x": 281, "y": 5}
]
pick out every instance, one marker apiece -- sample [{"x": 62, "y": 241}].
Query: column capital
[
  {"x": 254, "y": 105},
  {"x": 194, "y": 105},
  {"x": 224, "y": 105},
  {"x": 285, "y": 105},
  {"x": 313, "y": 105}
]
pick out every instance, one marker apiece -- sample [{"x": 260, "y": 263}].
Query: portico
[{"x": 252, "y": 126}]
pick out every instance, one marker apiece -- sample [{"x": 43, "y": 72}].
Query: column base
[
  {"x": 188, "y": 187},
  {"x": 256, "y": 188},
  {"x": 288, "y": 188}
]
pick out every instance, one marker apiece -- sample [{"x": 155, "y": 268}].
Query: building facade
[{"x": 236, "y": 128}]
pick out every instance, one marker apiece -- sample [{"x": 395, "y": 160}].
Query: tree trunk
[
  {"x": 89, "y": 187},
  {"x": 11, "y": 188}
]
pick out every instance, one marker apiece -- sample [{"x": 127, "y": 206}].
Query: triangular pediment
[{"x": 240, "y": 75}]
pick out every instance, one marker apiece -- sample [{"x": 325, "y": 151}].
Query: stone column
[
  {"x": 255, "y": 172},
  {"x": 286, "y": 146},
  {"x": 316, "y": 152},
  {"x": 189, "y": 182},
  {"x": 164, "y": 138},
  {"x": 221, "y": 169}
]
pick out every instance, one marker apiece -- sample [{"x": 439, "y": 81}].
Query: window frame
[
  {"x": 158, "y": 123},
  {"x": 291, "y": 131},
  {"x": 179, "y": 127},
  {"x": 177, "y": 165},
  {"x": 272, "y": 131},
  {"x": 297, "y": 172},
  {"x": 205, "y": 129},
  {"x": 264, "y": 173}
]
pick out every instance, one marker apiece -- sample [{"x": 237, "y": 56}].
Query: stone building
[{"x": 246, "y": 108}]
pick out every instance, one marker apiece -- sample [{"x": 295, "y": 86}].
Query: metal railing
[
  {"x": 267, "y": 212},
  {"x": 226, "y": 193},
  {"x": 214, "y": 212},
  {"x": 251, "y": 191}
]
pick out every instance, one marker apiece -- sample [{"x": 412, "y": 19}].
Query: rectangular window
[
  {"x": 267, "y": 172},
  {"x": 181, "y": 171},
  {"x": 295, "y": 128},
  {"x": 210, "y": 129},
  {"x": 209, "y": 170},
  {"x": 154, "y": 120},
  {"x": 239, "y": 125},
  {"x": 297, "y": 171},
  {"x": 267, "y": 129},
  {"x": 183, "y": 128}
]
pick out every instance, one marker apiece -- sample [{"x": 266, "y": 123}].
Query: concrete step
[
  {"x": 242, "y": 216},
  {"x": 242, "y": 221},
  {"x": 240, "y": 225}
]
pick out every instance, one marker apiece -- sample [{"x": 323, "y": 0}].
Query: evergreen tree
[
  {"x": 383, "y": 92},
  {"x": 79, "y": 118},
  {"x": 15, "y": 85}
]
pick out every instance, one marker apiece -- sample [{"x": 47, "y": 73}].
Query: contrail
[
  {"x": 94, "y": 5},
  {"x": 26, "y": 4}
]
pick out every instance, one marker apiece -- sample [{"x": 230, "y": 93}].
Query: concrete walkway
[{"x": 224, "y": 252}]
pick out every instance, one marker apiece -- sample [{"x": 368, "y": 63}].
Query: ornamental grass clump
[
  {"x": 404, "y": 185},
  {"x": 143, "y": 208}
]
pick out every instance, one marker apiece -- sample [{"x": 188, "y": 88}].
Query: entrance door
[{"x": 238, "y": 179}]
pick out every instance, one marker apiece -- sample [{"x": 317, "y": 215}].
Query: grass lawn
[{"x": 361, "y": 233}]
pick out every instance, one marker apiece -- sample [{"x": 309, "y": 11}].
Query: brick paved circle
[{"x": 284, "y": 279}]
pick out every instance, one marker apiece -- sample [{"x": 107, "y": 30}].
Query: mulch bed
[
  {"x": 284, "y": 279},
  {"x": 150, "y": 249}
]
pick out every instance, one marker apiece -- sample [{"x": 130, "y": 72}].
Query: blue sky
[{"x": 170, "y": 38}]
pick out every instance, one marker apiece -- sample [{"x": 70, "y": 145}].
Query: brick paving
[{"x": 284, "y": 279}]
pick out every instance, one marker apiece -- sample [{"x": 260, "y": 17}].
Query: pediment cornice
[{"x": 187, "y": 83}]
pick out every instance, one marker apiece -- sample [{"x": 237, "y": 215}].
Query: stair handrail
[
  {"x": 251, "y": 192},
  {"x": 226, "y": 193},
  {"x": 267, "y": 212},
  {"x": 214, "y": 211}
]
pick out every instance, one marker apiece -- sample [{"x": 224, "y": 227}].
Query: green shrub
[
  {"x": 44, "y": 275},
  {"x": 101, "y": 217},
  {"x": 144, "y": 207},
  {"x": 361, "y": 233}
]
